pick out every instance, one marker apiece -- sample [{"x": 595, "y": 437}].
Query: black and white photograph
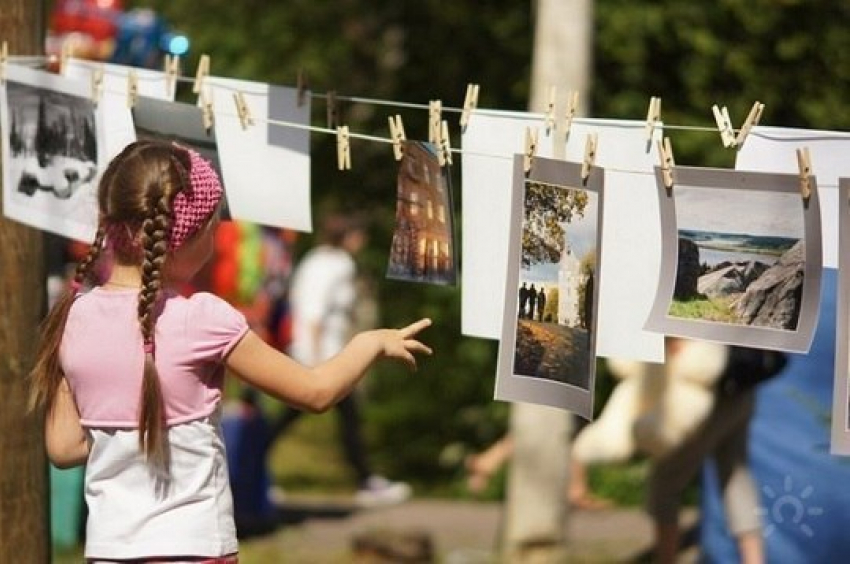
[
  {"x": 50, "y": 153},
  {"x": 423, "y": 244},
  {"x": 738, "y": 261},
  {"x": 547, "y": 351}
]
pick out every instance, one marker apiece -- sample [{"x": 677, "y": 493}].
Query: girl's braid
[
  {"x": 85, "y": 267},
  {"x": 154, "y": 239}
]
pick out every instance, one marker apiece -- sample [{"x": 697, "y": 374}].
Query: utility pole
[
  {"x": 24, "y": 521},
  {"x": 536, "y": 517}
]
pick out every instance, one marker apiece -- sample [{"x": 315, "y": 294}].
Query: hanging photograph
[
  {"x": 266, "y": 166},
  {"x": 547, "y": 351},
  {"x": 423, "y": 245},
  {"x": 178, "y": 123},
  {"x": 50, "y": 152},
  {"x": 741, "y": 259},
  {"x": 840, "y": 441},
  {"x": 631, "y": 253}
]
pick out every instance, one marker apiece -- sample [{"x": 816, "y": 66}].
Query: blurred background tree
[{"x": 793, "y": 55}]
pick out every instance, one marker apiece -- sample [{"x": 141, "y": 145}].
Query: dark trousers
[{"x": 349, "y": 431}]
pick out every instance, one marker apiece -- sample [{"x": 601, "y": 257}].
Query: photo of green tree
[{"x": 557, "y": 276}]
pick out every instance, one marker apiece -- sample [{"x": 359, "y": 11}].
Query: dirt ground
[{"x": 459, "y": 532}]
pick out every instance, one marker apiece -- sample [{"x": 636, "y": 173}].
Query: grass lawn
[{"x": 705, "y": 309}]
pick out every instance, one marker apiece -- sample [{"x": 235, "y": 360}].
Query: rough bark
[{"x": 24, "y": 522}]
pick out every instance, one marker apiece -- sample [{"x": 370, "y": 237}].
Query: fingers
[
  {"x": 417, "y": 347},
  {"x": 414, "y": 328}
]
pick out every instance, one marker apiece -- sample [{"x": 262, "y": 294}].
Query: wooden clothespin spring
[
  {"x": 804, "y": 164},
  {"x": 549, "y": 116},
  {"x": 589, "y": 156},
  {"x": 653, "y": 116},
  {"x": 242, "y": 110},
  {"x": 530, "y": 149},
  {"x": 132, "y": 88},
  {"x": 397, "y": 136},
  {"x": 665, "y": 154},
  {"x": 445, "y": 152},
  {"x": 470, "y": 102},
  {"x": 724, "y": 125},
  {"x": 172, "y": 70},
  {"x": 206, "y": 104},
  {"x": 96, "y": 84},
  {"x": 435, "y": 109},
  {"x": 303, "y": 86},
  {"x": 202, "y": 73},
  {"x": 332, "y": 109},
  {"x": 343, "y": 149},
  {"x": 752, "y": 120},
  {"x": 4, "y": 58}
]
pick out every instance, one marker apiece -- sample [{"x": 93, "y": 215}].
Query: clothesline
[{"x": 151, "y": 75}]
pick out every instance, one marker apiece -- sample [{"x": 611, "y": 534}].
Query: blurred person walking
[{"x": 323, "y": 298}]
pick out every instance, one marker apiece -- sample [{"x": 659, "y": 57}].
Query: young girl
[{"x": 131, "y": 373}]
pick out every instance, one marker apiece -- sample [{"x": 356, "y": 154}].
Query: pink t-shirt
[{"x": 103, "y": 358}]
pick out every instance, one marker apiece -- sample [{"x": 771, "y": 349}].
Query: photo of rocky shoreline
[{"x": 739, "y": 279}]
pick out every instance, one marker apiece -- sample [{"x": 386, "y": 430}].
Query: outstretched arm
[
  {"x": 65, "y": 439},
  {"x": 317, "y": 389}
]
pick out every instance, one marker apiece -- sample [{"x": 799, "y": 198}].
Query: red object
[
  {"x": 97, "y": 18},
  {"x": 90, "y": 25}
]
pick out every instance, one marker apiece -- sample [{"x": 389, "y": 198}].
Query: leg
[
  {"x": 289, "y": 416},
  {"x": 740, "y": 495},
  {"x": 483, "y": 465},
  {"x": 578, "y": 489},
  {"x": 352, "y": 441},
  {"x": 668, "y": 478}
]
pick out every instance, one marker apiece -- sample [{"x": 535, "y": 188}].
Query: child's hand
[{"x": 399, "y": 344}]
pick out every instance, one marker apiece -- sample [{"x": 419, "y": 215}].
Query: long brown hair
[{"x": 135, "y": 197}]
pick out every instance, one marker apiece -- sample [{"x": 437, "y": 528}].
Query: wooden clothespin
[
  {"x": 572, "y": 106},
  {"x": 665, "y": 154},
  {"x": 4, "y": 58},
  {"x": 804, "y": 164},
  {"x": 302, "y": 85},
  {"x": 205, "y": 101},
  {"x": 397, "y": 136},
  {"x": 201, "y": 74},
  {"x": 65, "y": 54},
  {"x": 435, "y": 108},
  {"x": 530, "y": 149},
  {"x": 96, "y": 84},
  {"x": 653, "y": 116},
  {"x": 333, "y": 114},
  {"x": 751, "y": 121},
  {"x": 242, "y": 110},
  {"x": 589, "y": 156},
  {"x": 724, "y": 125},
  {"x": 445, "y": 152},
  {"x": 470, "y": 102},
  {"x": 172, "y": 69},
  {"x": 343, "y": 150},
  {"x": 549, "y": 116},
  {"x": 132, "y": 88}
]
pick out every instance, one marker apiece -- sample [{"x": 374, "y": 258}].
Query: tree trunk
[
  {"x": 24, "y": 522},
  {"x": 536, "y": 516}
]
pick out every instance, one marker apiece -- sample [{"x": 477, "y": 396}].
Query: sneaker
[
  {"x": 378, "y": 491},
  {"x": 276, "y": 495}
]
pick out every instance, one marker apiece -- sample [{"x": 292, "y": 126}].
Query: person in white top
[{"x": 323, "y": 294}]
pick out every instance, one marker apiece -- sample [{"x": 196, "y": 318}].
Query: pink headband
[{"x": 194, "y": 205}]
